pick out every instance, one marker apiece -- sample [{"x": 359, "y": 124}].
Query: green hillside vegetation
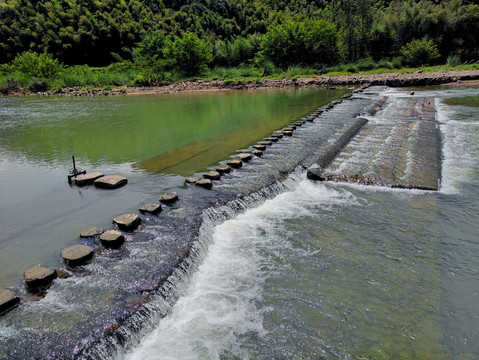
[{"x": 60, "y": 43}]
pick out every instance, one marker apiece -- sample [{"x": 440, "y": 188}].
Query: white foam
[
  {"x": 218, "y": 305},
  {"x": 460, "y": 152}
]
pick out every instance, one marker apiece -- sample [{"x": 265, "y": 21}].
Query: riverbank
[{"x": 417, "y": 78}]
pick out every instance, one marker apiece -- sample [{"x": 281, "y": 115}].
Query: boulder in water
[
  {"x": 245, "y": 157},
  {"x": 212, "y": 175},
  {"x": 152, "y": 208},
  {"x": 205, "y": 183},
  {"x": 169, "y": 198},
  {"x": 235, "y": 163},
  {"x": 259, "y": 147},
  {"x": 87, "y": 178},
  {"x": 77, "y": 254},
  {"x": 110, "y": 182},
  {"x": 127, "y": 222},
  {"x": 223, "y": 169},
  {"x": 8, "y": 299},
  {"x": 112, "y": 239},
  {"x": 192, "y": 179},
  {"x": 92, "y": 232},
  {"x": 315, "y": 173},
  {"x": 39, "y": 276}
]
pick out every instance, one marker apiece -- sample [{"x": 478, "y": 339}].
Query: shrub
[
  {"x": 396, "y": 63},
  {"x": 41, "y": 66},
  {"x": 366, "y": 64},
  {"x": 453, "y": 60},
  {"x": 351, "y": 68},
  {"x": 384, "y": 64},
  {"x": 419, "y": 52},
  {"x": 38, "y": 85},
  {"x": 9, "y": 86}
]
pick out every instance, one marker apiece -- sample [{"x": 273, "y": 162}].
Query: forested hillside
[
  {"x": 187, "y": 35},
  {"x": 92, "y": 31}
]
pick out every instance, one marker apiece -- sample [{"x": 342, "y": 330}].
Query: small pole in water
[
  {"x": 74, "y": 172},
  {"x": 74, "y": 166}
]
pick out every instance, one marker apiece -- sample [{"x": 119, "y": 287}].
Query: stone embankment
[{"x": 417, "y": 78}]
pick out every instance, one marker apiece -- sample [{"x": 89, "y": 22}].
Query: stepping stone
[
  {"x": 87, "y": 178},
  {"x": 271, "y": 138},
  {"x": 289, "y": 128},
  {"x": 278, "y": 132},
  {"x": 269, "y": 143},
  {"x": 310, "y": 118},
  {"x": 152, "y": 208},
  {"x": 92, "y": 232},
  {"x": 8, "y": 299},
  {"x": 205, "y": 183},
  {"x": 169, "y": 198},
  {"x": 111, "y": 182},
  {"x": 244, "y": 151},
  {"x": 259, "y": 147},
  {"x": 212, "y": 175},
  {"x": 245, "y": 157},
  {"x": 257, "y": 153},
  {"x": 192, "y": 180},
  {"x": 278, "y": 136},
  {"x": 77, "y": 254},
  {"x": 235, "y": 163},
  {"x": 112, "y": 239},
  {"x": 288, "y": 133},
  {"x": 127, "y": 222},
  {"x": 298, "y": 123},
  {"x": 39, "y": 276},
  {"x": 223, "y": 169}
]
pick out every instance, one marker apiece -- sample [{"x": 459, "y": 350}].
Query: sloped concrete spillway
[
  {"x": 98, "y": 308},
  {"x": 397, "y": 147}
]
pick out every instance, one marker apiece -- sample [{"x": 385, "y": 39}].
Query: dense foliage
[{"x": 161, "y": 38}]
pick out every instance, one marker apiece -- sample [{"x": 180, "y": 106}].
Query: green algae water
[
  {"x": 342, "y": 271},
  {"x": 152, "y": 140}
]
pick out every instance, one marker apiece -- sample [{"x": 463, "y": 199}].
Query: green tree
[
  {"x": 189, "y": 53},
  {"x": 301, "y": 42},
  {"x": 419, "y": 52},
  {"x": 149, "y": 54}
]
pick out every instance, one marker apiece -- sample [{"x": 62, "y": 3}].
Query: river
[
  {"x": 342, "y": 271},
  {"x": 152, "y": 140},
  {"x": 296, "y": 269}
]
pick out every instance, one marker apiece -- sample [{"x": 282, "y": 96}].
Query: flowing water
[
  {"x": 341, "y": 271},
  {"x": 152, "y": 140}
]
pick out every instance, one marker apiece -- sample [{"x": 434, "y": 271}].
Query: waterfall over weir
[
  {"x": 398, "y": 147},
  {"x": 97, "y": 310}
]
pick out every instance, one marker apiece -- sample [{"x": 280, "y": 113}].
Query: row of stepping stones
[
  {"x": 38, "y": 277},
  {"x": 101, "y": 181},
  {"x": 246, "y": 155}
]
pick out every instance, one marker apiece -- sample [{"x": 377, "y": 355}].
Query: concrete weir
[{"x": 400, "y": 149}]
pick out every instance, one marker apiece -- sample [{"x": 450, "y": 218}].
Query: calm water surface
[
  {"x": 152, "y": 140},
  {"x": 340, "y": 271}
]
